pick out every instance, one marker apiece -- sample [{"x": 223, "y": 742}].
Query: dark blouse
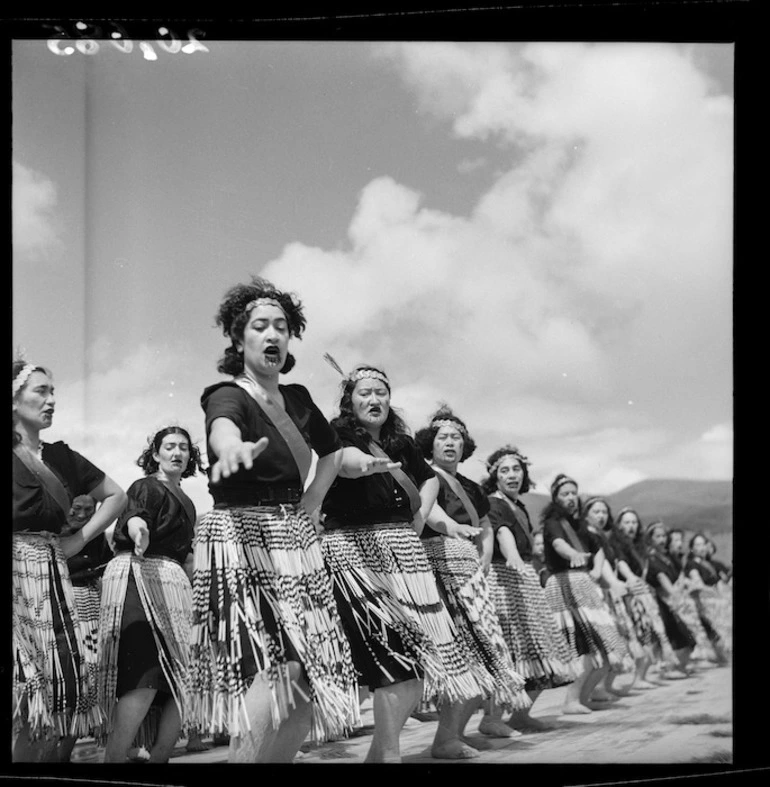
[
  {"x": 723, "y": 570},
  {"x": 451, "y": 503},
  {"x": 34, "y": 509},
  {"x": 90, "y": 562},
  {"x": 275, "y": 466},
  {"x": 661, "y": 564},
  {"x": 376, "y": 498},
  {"x": 501, "y": 515},
  {"x": 707, "y": 572},
  {"x": 171, "y": 531},
  {"x": 626, "y": 551},
  {"x": 553, "y": 529}
]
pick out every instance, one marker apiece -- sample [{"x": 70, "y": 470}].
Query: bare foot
[
  {"x": 575, "y": 709},
  {"x": 603, "y": 695},
  {"x": 646, "y": 684},
  {"x": 495, "y": 728},
  {"x": 593, "y": 705},
  {"x": 528, "y": 724},
  {"x": 196, "y": 744},
  {"x": 453, "y": 750}
]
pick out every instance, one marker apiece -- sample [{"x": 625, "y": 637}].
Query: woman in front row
[
  {"x": 395, "y": 619},
  {"x": 270, "y": 661},
  {"x": 574, "y": 597},
  {"x": 146, "y": 611},
  {"x": 540, "y": 654},
  {"x": 458, "y": 539}
]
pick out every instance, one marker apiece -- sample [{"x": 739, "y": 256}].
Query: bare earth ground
[{"x": 684, "y": 721}]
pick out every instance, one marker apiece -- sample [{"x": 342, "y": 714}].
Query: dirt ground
[{"x": 684, "y": 721}]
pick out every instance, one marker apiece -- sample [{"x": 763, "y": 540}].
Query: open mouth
[{"x": 272, "y": 355}]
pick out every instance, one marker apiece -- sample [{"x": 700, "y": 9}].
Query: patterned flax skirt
[
  {"x": 717, "y": 601},
  {"x": 644, "y": 612},
  {"x": 624, "y": 623},
  {"x": 710, "y": 604},
  {"x": 585, "y": 622},
  {"x": 55, "y": 676},
  {"x": 144, "y": 635},
  {"x": 461, "y": 578},
  {"x": 384, "y": 583},
  {"x": 262, "y": 598},
  {"x": 683, "y": 604},
  {"x": 539, "y": 652}
]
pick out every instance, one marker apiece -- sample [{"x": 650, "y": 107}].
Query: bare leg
[
  {"x": 392, "y": 706},
  {"x": 129, "y": 713},
  {"x": 523, "y": 720},
  {"x": 169, "y": 727},
  {"x": 65, "y": 748},
  {"x": 492, "y": 723},
  {"x": 26, "y": 750},
  {"x": 641, "y": 681},
  {"x": 264, "y": 743},
  {"x": 447, "y": 743},
  {"x": 592, "y": 681},
  {"x": 572, "y": 702}
]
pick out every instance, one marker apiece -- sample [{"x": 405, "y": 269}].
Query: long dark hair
[
  {"x": 148, "y": 462},
  {"x": 424, "y": 437},
  {"x": 394, "y": 433},
  {"x": 232, "y": 318}
]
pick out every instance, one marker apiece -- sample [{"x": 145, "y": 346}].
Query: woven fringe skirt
[
  {"x": 644, "y": 612},
  {"x": 382, "y": 575},
  {"x": 54, "y": 682},
  {"x": 683, "y": 604},
  {"x": 624, "y": 623},
  {"x": 165, "y": 596},
  {"x": 460, "y": 577},
  {"x": 585, "y": 622},
  {"x": 539, "y": 652},
  {"x": 718, "y": 603},
  {"x": 710, "y": 605},
  {"x": 262, "y": 598}
]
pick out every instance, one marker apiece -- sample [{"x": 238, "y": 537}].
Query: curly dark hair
[
  {"x": 148, "y": 462},
  {"x": 424, "y": 437},
  {"x": 394, "y": 433},
  {"x": 232, "y": 318},
  {"x": 16, "y": 366},
  {"x": 589, "y": 503},
  {"x": 639, "y": 535},
  {"x": 555, "y": 509},
  {"x": 650, "y": 529},
  {"x": 670, "y": 535},
  {"x": 489, "y": 484}
]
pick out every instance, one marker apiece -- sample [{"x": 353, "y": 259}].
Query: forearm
[
  {"x": 223, "y": 434},
  {"x": 563, "y": 549},
  {"x": 428, "y": 495},
  {"x": 437, "y": 519},
  {"x": 326, "y": 471},
  {"x": 507, "y": 544},
  {"x": 486, "y": 540},
  {"x": 351, "y": 460},
  {"x": 113, "y": 501}
]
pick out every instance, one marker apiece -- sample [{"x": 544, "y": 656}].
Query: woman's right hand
[
  {"x": 139, "y": 533},
  {"x": 516, "y": 563},
  {"x": 456, "y": 530},
  {"x": 234, "y": 455},
  {"x": 579, "y": 559},
  {"x": 374, "y": 464}
]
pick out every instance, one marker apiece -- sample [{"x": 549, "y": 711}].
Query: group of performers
[{"x": 340, "y": 559}]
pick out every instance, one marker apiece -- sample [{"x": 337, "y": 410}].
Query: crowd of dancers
[{"x": 341, "y": 559}]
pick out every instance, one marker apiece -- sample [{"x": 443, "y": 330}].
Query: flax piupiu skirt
[
  {"x": 144, "y": 636},
  {"x": 539, "y": 652},
  {"x": 393, "y": 610},
  {"x": 585, "y": 622},
  {"x": 262, "y": 598},
  {"x": 54, "y": 682},
  {"x": 461, "y": 579}
]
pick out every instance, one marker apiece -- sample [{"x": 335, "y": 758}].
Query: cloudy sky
[{"x": 538, "y": 234}]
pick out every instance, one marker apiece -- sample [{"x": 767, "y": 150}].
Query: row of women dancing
[{"x": 375, "y": 568}]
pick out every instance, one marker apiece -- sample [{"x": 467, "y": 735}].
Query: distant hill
[{"x": 688, "y": 505}]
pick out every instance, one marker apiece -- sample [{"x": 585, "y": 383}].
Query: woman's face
[
  {"x": 81, "y": 511},
  {"x": 699, "y": 547},
  {"x": 173, "y": 455},
  {"x": 265, "y": 342},
  {"x": 537, "y": 544},
  {"x": 598, "y": 515},
  {"x": 676, "y": 544},
  {"x": 510, "y": 476},
  {"x": 567, "y": 497},
  {"x": 371, "y": 402},
  {"x": 628, "y": 524},
  {"x": 448, "y": 446},
  {"x": 34, "y": 404},
  {"x": 658, "y": 538}
]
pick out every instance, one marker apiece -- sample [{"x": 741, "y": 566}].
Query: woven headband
[
  {"x": 263, "y": 302},
  {"x": 493, "y": 467},
  {"x": 22, "y": 377},
  {"x": 557, "y": 485},
  {"x": 358, "y": 374},
  {"x": 439, "y": 422}
]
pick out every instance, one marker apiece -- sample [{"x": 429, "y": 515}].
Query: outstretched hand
[
  {"x": 373, "y": 464},
  {"x": 579, "y": 559},
  {"x": 235, "y": 455}
]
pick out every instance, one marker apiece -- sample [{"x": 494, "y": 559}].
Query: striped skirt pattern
[
  {"x": 389, "y": 562},
  {"x": 624, "y": 623},
  {"x": 460, "y": 576},
  {"x": 539, "y": 652},
  {"x": 684, "y": 606},
  {"x": 166, "y": 598},
  {"x": 54, "y": 683},
  {"x": 584, "y": 620},
  {"x": 262, "y": 597},
  {"x": 644, "y": 612}
]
